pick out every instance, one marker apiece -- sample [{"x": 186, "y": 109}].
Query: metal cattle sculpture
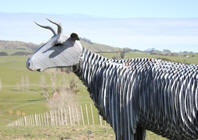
[{"x": 132, "y": 95}]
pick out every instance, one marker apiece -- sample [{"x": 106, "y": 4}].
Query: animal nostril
[{"x": 28, "y": 63}]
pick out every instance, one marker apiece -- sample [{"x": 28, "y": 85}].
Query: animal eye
[{"x": 58, "y": 44}]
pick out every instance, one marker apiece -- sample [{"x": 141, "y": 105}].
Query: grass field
[{"x": 18, "y": 99}]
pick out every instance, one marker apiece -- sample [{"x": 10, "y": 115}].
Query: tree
[{"x": 3, "y": 54}]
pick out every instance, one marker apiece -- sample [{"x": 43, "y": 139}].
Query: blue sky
[
  {"x": 106, "y": 8},
  {"x": 140, "y": 24}
]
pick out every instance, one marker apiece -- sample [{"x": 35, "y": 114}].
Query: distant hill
[
  {"x": 96, "y": 47},
  {"x": 16, "y": 47},
  {"x": 24, "y": 48}
]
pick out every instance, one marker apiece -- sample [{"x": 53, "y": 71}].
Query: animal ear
[{"x": 74, "y": 37}]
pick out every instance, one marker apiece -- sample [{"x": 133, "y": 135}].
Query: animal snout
[{"x": 28, "y": 64}]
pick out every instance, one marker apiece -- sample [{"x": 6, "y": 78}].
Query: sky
[
  {"x": 136, "y": 24},
  {"x": 106, "y": 8}
]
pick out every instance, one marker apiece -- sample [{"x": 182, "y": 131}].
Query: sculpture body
[{"x": 132, "y": 95}]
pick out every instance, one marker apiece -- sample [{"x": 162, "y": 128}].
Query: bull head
[{"x": 59, "y": 51}]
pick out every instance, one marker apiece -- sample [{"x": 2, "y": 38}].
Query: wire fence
[{"x": 74, "y": 115}]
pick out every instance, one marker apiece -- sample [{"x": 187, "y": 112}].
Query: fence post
[
  {"x": 46, "y": 118},
  {"x": 39, "y": 119},
  {"x": 36, "y": 121},
  {"x": 65, "y": 116},
  {"x": 31, "y": 120},
  {"x": 51, "y": 118},
  {"x": 70, "y": 117},
  {"x": 77, "y": 117},
  {"x": 100, "y": 120},
  {"x": 92, "y": 114},
  {"x": 83, "y": 122},
  {"x": 25, "y": 121},
  {"x": 55, "y": 117},
  {"x": 60, "y": 117},
  {"x": 87, "y": 114}
]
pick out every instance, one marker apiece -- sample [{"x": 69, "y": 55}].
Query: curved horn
[
  {"x": 59, "y": 30},
  {"x": 46, "y": 27}
]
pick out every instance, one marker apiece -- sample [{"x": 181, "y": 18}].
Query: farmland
[{"x": 23, "y": 93}]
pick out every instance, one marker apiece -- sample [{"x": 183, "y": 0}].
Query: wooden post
[
  {"x": 60, "y": 121},
  {"x": 83, "y": 122},
  {"x": 61, "y": 117},
  {"x": 51, "y": 118},
  {"x": 55, "y": 118},
  {"x": 73, "y": 115},
  {"x": 77, "y": 115},
  {"x": 25, "y": 121},
  {"x": 45, "y": 116},
  {"x": 65, "y": 116},
  {"x": 70, "y": 117},
  {"x": 87, "y": 114},
  {"x": 41, "y": 119},
  {"x": 44, "y": 119},
  {"x": 30, "y": 120},
  {"x": 92, "y": 114},
  {"x": 100, "y": 120},
  {"x": 36, "y": 121}
]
